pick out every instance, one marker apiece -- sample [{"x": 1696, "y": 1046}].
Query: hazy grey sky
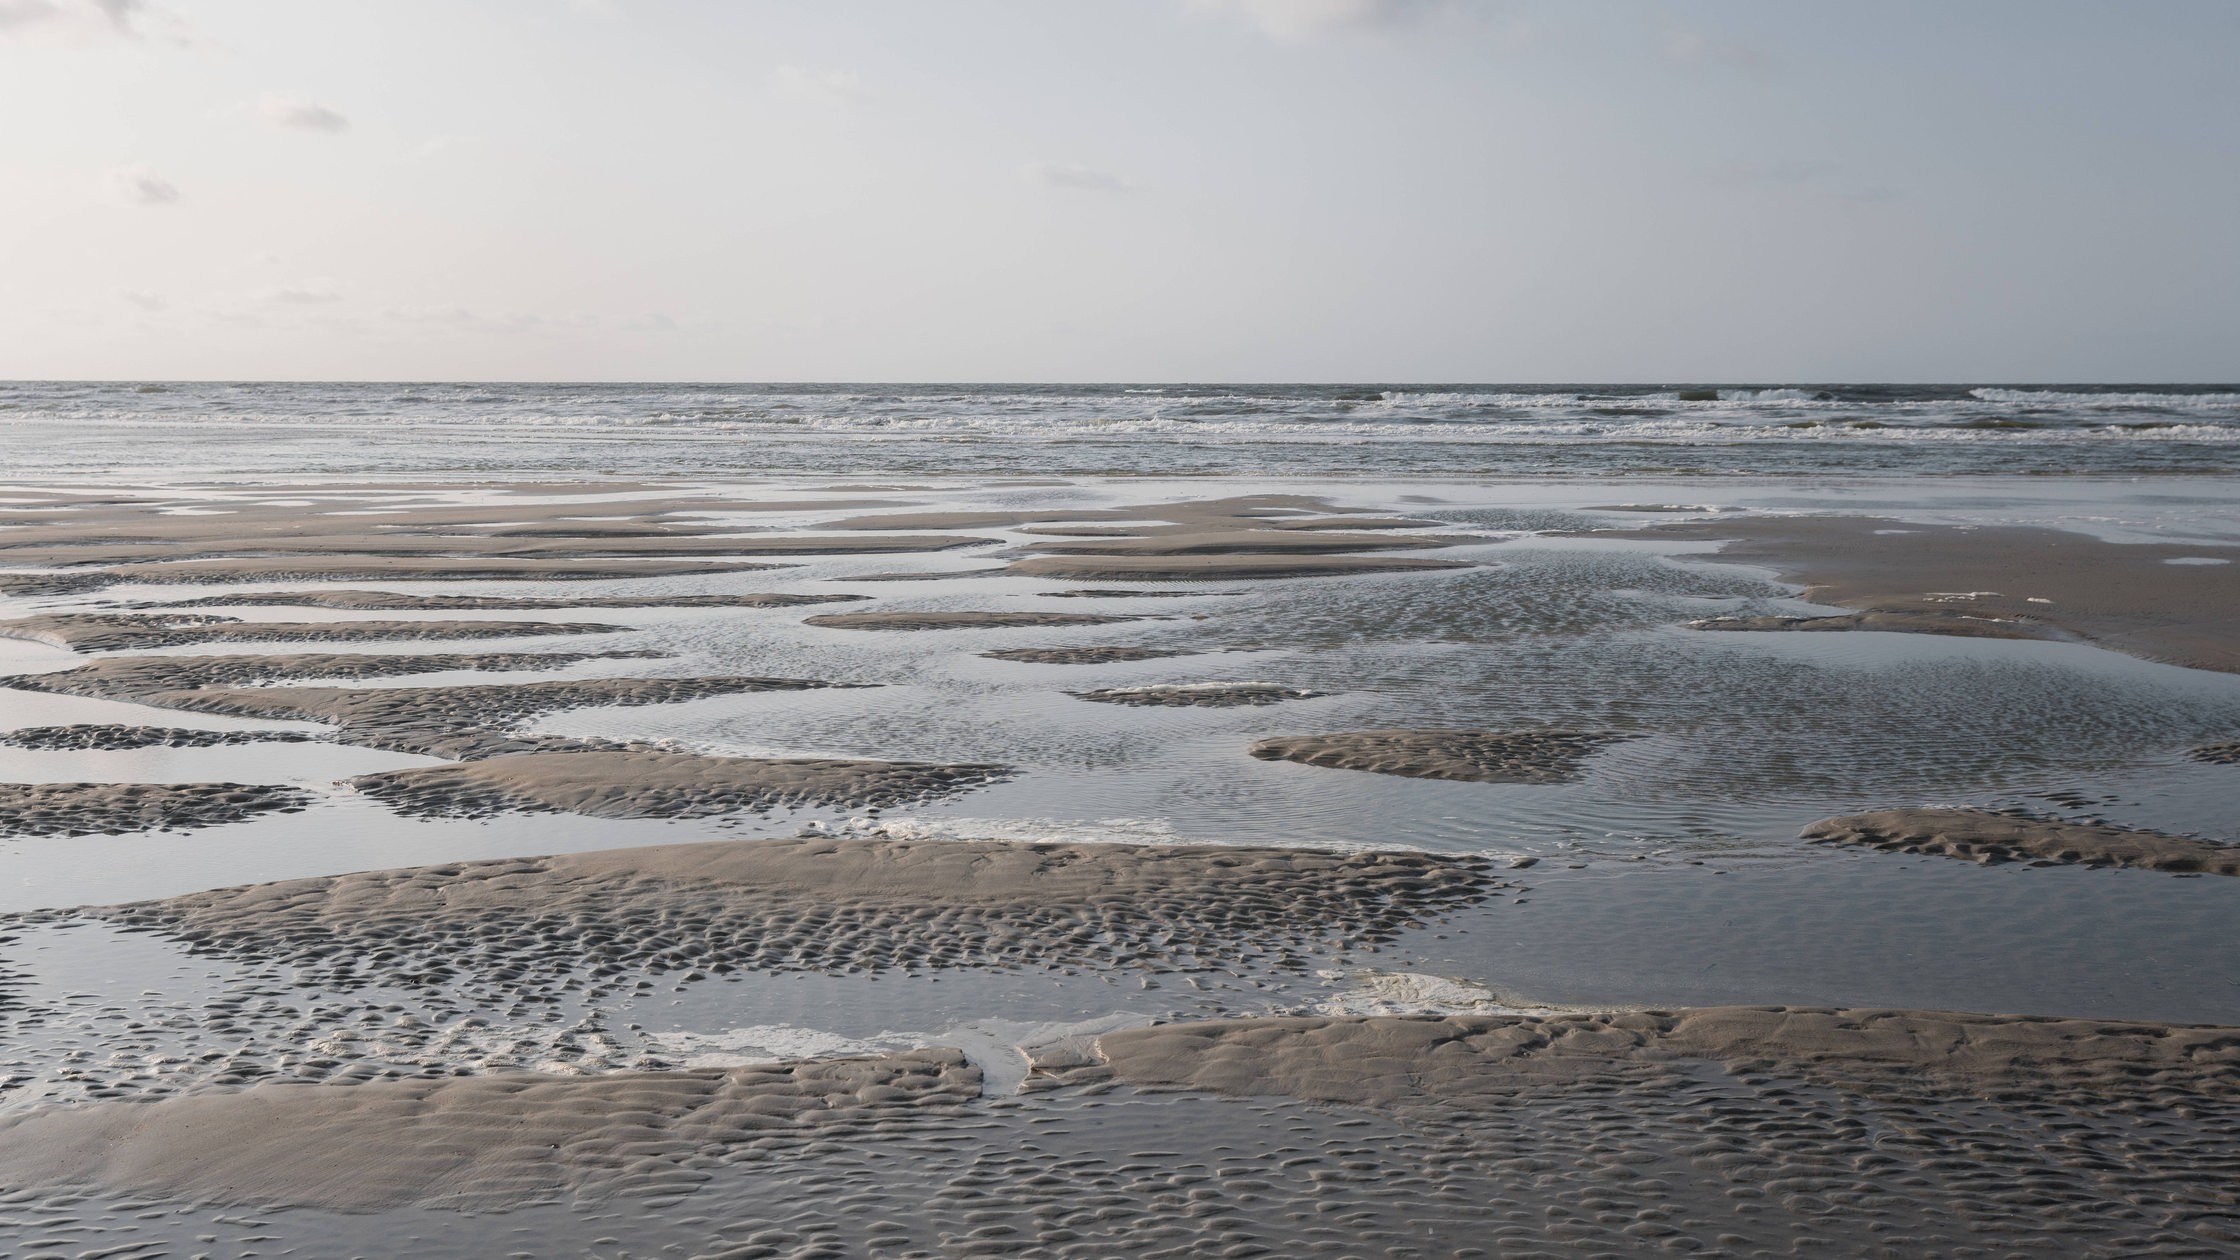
[{"x": 1478, "y": 190}]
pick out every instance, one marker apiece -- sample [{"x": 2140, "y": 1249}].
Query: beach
[{"x": 937, "y": 863}]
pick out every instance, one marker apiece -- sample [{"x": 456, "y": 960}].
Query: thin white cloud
[
  {"x": 308, "y": 293},
  {"x": 139, "y": 186},
  {"x": 297, "y": 114},
  {"x": 144, "y": 299},
  {"x": 1297, "y": 20},
  {"x": 825, "y": 87},
  {"x": 1083, "y": 178},
  {"x": 1692, "y": 48},
  {"x": 80, "y": 19}
]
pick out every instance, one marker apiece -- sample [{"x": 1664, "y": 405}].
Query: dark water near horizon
[{"x": 253, "y": 429}]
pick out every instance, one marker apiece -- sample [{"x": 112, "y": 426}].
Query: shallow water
[{"x": 1668, "y": 874}]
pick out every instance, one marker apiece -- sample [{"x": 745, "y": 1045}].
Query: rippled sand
[{"x": 721, "y": 933}]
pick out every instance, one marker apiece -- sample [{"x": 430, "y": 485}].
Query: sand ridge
[
  {"x": 459, "y": 723},
  {"x": 516, "y": 926},
  {"x": 1466, "y": 1061},
  {"x": 937, "y": 620},
  {"x": 650, "y": 783},
  {"x": 1242, "y": 537},
  {"x": 1102, "y": 655},
  {"x": 1213, "y": 695},
  {"x": 114, "y": 632},
  {"x": 488, "y": 1142},
  {"x": 84, "y": 809},
  {"x": 115, "y": 737},
  {"x": 1983, "y": 836},
  {"x": 150, "y": 679},
  {"x": 2122, "y": 596},
  {"x": 397, "y": 601},
  {"x": 1471, "y": 756}
]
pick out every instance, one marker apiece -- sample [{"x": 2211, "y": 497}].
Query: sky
[{"x": 1120, "y": 190}]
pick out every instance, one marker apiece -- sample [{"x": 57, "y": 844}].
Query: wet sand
[
  {"x": 658, "y": 784},
  {"x": 117, "y": 632},
  {"x": 1193, "y": 1074},
  {"x": 1464, "y": 756},
  {"x": 1215, "y": 695},
  {"x": 954, "y": 620},
  {"x": 1980, "y": 836},
  {"x": 2147, "y": 599},
  {"x": 84, "y": 809},
  {"x": 1083, "y": 655}
]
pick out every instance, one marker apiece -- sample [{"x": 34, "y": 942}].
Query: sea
[{"x": 249, "y": 429}]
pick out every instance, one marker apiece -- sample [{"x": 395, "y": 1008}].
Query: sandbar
[
  {"x": 1983, "y": 836},
  {"x": 1472, "y": 756}
]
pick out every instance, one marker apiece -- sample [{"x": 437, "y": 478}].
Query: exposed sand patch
[
  {"x": 1467, "y": 755},
  {"x": 1250, "y": 536},
  {"x": 394, "y": 601},
  {"x": 428, "y": 569},
  {"x": 646, "y": 783},
  {"x": 1957, "y": 624},
  {"x": 112, "y": 632},
  {"x": 2218, "y": 754},
  {"x": 1218, "y": 568},
  {"x": 490, "y": 1142},
  {"x": 83, "y": 809},
  {"x": 92, "y": 737},
  {"x": 817, "y": 905},
  {"x": 955, "y": 620},
  {"x": 1474, "y": 1060},
  {"x": 318, "y": 523},
  {"x": 2122, "y": 596},
  {"x": 1197, "y": 695},
  {"x": 1982, "y": 836},
  {"x": 52, "y": 583},
  {"x": 458, "y": 723},
  {"x": 146, "y": 679},
  {"x": 1093, "y": 592},
  {"x": 1084, "y": 655}
]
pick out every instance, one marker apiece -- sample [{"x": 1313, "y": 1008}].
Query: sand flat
[
  {"x": 397, "y": 601},
  {"x": 819, "y": 904},
  {"x": 489, "y": 1142},
  {"x": 2128, "y": 597},
  {"x": 648, "y": 783},
  {"x": 84, "y": 809},
  {"x": 1463, "y": 1061},
  {"x": 939, "y": 620},
  {"x": 1983, "y": 836},
  {"x": 120, "y": 632},
  {"x": 1470, "y": 756}
]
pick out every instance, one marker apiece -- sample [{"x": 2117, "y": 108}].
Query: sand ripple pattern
[
  {"x": 1465, "y": 755},
  {"x": 150, "y": 679},
  {"x": 955, "y": 620},
  {"x": 110, "y": 737},
  {"x": 816, "y": 905},
  {"x": 646, "y": 783},
  {"x": 114, "y": 632},
  {"x": 1986, "y": 837},
  {"x": 397, "y": 601},
  {"x": 491, "y": 1142},
  {"x": 2218, "y": 754},
  {"x": 84, "y": 809},
  {"x": 1210, "y": 695},
  {"x": 1083, "y": 655}
]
